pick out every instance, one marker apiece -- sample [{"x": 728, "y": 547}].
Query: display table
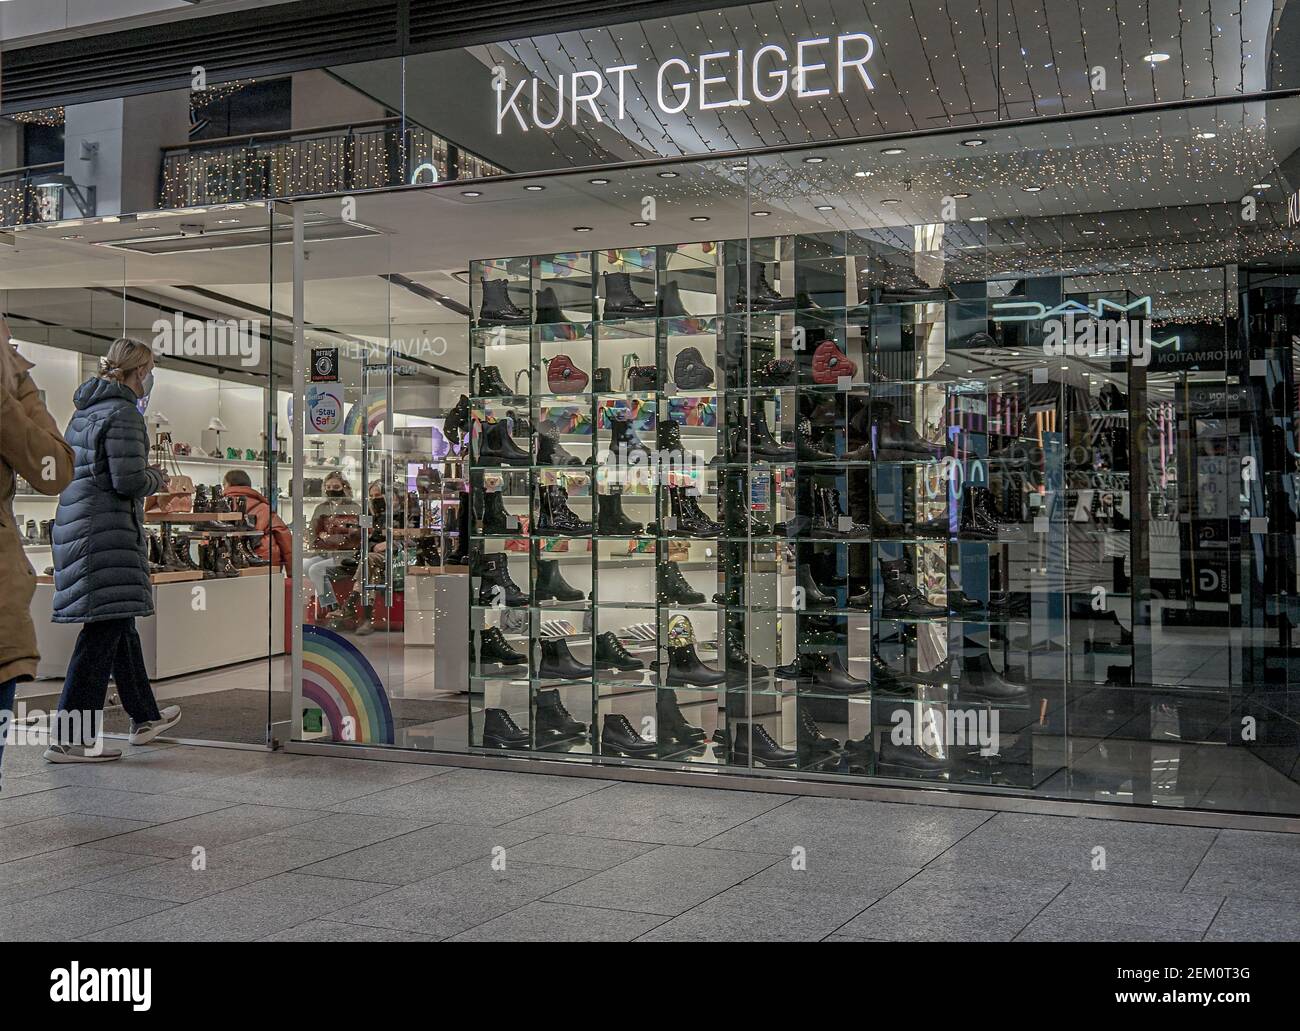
[{"x": 234, "y": 619}]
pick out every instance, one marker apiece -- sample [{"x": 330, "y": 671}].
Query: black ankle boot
[
  {"x": 827, "y": 673},
  {"x": 501, "y": 731},
  {"x": 813, "y": 744},
  {"x": 668, "y": 439},
  {"x": 495, "y": 517},
  {"x": 554, "y": 515},
  {"x": 691, "y": 521},
  {"x": 497, "y": 309},
  {"x": 980, "y": 681},
  {"x": 610, "y": 654},
  {"x": 497, "y": 447},
  {"x": 759, "y": 295},
  {"x": 902, "y": 598},
  {"x": 619, "y": 737},
  {"x": 910, "y": 758},
  {"x": 670, "y": 302},
  {"x": 759, "y": 445},
  {"x": 551, "y": 452},
  {"x": 221, "y": 564},
  {"x": 805, "y": 447},
  {"x": 558, "y": 663},
  {"x": 624, "y": 442},
  {"x": 621, "y": 302},
  {"x": 684, "y": 666},
  {"x": 553, "y": 720},
  {"x": 754, "y": 742},
  {"x": 813, "y": 595},
  {"x": 674, "y": 588},
  {"x": 496, "y": 585},
  {"x": 494, "y": 648},
  {"x": 671, "y": 726},
  {"x": 610, "y": 518},
  {"x": 740, "y": 667},
  {"x": 548, "y": 310},
  {"x": 551, "y": 585},
  {"x": 490, "y": 383}
]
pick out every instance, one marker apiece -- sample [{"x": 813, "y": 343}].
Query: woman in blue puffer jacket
[{"x": 101, "y": 558}]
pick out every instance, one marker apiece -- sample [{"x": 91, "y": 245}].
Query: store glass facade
[{"x": 781, "y": 391}]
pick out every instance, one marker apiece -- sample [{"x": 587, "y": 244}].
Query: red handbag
[
  {"x": 564, "y": 377},
  {"x": 830, "y": 363}
]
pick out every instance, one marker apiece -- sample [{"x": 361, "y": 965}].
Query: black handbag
[
  {"x": 600, "y": 383},
  {"x": 638, "y": 377}
]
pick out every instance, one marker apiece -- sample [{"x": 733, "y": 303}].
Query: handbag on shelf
[
  {"x": 177, "y": 495},
  {"x": 601, "y": 383},
  {"x": 638, "y": 377},
  {"x": 829, "y": 363}
]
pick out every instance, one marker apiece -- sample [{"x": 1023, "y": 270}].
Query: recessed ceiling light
[
  {"x": 1090, "y": 232},
  {"x": 978, "y": 218},
  {"x": 1156, "y": 58},
  {"x": 1206, "y": 135},
  {"x": 1032, "y": 189},
  {"x": 471, "y": 193},
  {"x": 227, "y": 221},
  {"x": 744, "y": 165},
  {"x": 862, "y": 174},
  {"x": 760, "y": 214},
  {"x": 891, "y": 151},
  {"x": 814, "y": 160},
  {"x": 825, "y": 207},
  {"x": 639, "y": 225},
  {"x": 960, "y": 196},
  {"x": 534, "y": 187},
  {"x": 699, "y": 218},
  {"x": 667, "y": 175},
  {"x": 598, "y": 182},
  {"x": 582, "y": 229},
  {"x": 974, "y": 141},
  {"x": 891, "y": 200},
  {"x": 1262, "y": 186}
]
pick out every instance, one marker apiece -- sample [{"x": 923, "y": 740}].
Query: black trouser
[{"x": 104, "y": 647}]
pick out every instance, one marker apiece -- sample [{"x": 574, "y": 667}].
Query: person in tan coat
[{"x": 32, "y": 447}]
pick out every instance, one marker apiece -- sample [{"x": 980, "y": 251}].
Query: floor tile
[
  {"x": 68, "y": 914},
  {"x": 56, "y": 832},
  {"x": 211, "y": 830},
  {"x": 584, "y": 852},
  {"x": 1146, "y": 908},
  {"x": 555, "y": 922},
  {"x": 1045, "y": 928},
  {"x": 1253, "y": 920},
  {"x": 668, "y": 881},
  {"x": 66, "y": 868},
  {"x": 336, "y": 931},
  {"x": 752, "y": 912},
  {"x": 1250, "y": 864}
]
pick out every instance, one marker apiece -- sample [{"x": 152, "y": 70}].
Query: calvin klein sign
[{"x": 722, "y": 79}]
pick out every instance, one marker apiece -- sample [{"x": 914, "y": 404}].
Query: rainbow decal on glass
[
  {"x": 375, "y": 413},
  {"x": 340, "y": 681}
]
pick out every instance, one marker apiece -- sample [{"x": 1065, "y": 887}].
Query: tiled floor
[{"x": 179, "y": 843}]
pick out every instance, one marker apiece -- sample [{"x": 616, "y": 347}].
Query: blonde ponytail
[{"x": 124, "y": 357}]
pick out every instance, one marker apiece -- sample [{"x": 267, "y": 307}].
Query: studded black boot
[
  {"x": 554, "y": 515},
  {"x": 551, "y": 452},
  {"x": 624, "y": 445},
  {"x": 496, "y": 520},
  {"x": 491, "y": 384},
  {"x": 690, "y": 519}
]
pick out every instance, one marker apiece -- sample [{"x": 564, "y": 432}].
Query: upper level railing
[
  {"x": 326, "y": 159},
  {"x": 42, "y": 193}
]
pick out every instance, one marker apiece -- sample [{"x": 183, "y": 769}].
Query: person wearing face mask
[
  {"x": 30, "y": 447},
  {"x": 101, "y": 558},
  {"x": 335, "y": 534}
]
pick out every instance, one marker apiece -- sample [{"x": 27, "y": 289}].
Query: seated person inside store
[
  {"x": 276, "y": 544},
  {"x": 333, "y": 541}
]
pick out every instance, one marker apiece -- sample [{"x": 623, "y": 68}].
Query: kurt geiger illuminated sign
[{"x": 821, "y": 67}]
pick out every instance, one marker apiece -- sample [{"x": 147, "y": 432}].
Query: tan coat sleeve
[{"x": 30, "y": 441}]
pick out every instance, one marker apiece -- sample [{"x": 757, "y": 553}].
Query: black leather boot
[
  {"x": 759, "y": 296},
  {"x": 497, "y": 309},
  {"x": 670, "y": 302},
  {"x": 673, "y": 587},
  {"x": 611, "y": 521},
  {"x": 813, "y": 595},
  {"x": 167, "y": 555},
  {"x": 668, "y": 439},
  {"x": 551, "y": 585},
  {"x": 686, "y": 670},
  {"x": 691, "y": 521},
  {"x": 624, "y": 442},
  {"x": 490, "y": 383},
  {"x": 981, "y": 682},
  {"x": 460, "y": 557},
  {"x": 494, "y": 648},
  {"x": 885, "y": 678},
  {"x": 909, "y": 758},
  {"x": 671, "y": 726},
  {"x": 558, "y": 663},
  {"x": 496, "y": 585},
  {"x": 759, "y": 445},
  {"x": 895, "y": 440},
  {"x": 554, "y": 515},
  {"x": 501, "y": 731},
  {"x": 902, "y": 597},
  {"x": 551, "y": 452},
  {"x": 495, "y": 517},
  {"x": 233, "y": 552},
  {"x": 739, "y": 665},
  {"x": 548, "y": 310},
  {"x": 497, "y": 447},
  {"x": 610, "y": 654},
  {"x": 221, "y": 564},
  {"x": 754, "y": 742},
  {"x": 553, "y": 720},
  {"x": 975, "y": 523},
  {"x": 621, "y": 302},
  {"x": 619, "y": 737},
  {"x": 737, "y": 516},
  {"x": 806, "y": 446},
  {"x": 827, "y": 673},
  {"x": 813, "y": 744}
]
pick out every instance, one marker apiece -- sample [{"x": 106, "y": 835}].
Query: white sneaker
[
  {"x": 80, "y": 754},
  {"x": 143, "y": 733}
]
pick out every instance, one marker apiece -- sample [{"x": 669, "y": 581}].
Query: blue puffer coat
[{"x": 101, "y": 558}]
